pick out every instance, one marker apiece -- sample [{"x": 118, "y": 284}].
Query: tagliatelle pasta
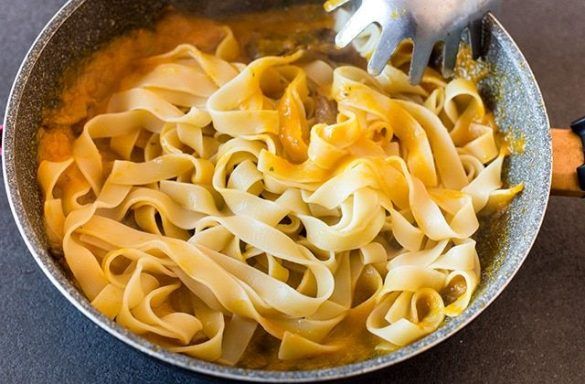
[{"x": 212, "y": 201}]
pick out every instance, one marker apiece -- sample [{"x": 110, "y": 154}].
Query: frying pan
[{"x": 503, "y": 242}]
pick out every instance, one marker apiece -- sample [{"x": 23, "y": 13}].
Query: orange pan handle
[{"x": 569, "y": 160}]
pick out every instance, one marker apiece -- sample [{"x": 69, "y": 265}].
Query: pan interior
[{"x": 83, "y": 26}]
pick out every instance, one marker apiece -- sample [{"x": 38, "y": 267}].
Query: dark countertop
[{"x": 533, "y": 333}]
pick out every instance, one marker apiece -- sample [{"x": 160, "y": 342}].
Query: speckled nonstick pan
[{"x": 82, "y": 25}]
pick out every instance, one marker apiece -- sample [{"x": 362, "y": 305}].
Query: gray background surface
[{"x": 533, "y": 333}]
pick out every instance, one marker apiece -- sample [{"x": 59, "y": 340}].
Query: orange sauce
[
  {"x": 470, "y": 69},
  {"x": 356, "y": 344}
]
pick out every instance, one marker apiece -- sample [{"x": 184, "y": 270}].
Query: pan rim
[{"x": 67, "y": 288}]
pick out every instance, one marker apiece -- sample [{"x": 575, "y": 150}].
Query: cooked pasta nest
[{"x": 288, "y": 196}]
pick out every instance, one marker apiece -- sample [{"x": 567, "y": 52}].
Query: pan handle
[{"x": 569, "y": 160}]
